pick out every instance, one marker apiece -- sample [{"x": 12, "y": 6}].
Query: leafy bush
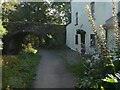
[
  {"x": 29, "y": 49},
  {"x": 91, "y": 73},
  {"x": 2, "y": 33}
]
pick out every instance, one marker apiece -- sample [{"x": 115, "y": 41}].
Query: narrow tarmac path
[{"x": 52, "y": 72}]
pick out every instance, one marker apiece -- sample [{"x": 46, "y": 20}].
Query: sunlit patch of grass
[{"x": 19, "y": 71}]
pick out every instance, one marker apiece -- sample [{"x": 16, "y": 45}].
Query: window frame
[
  {"x": 76, "y": 39},
  {"x": 76, "y": 21},
  {"x": 92, "y": 8},
  {"x": 92, "y": 40}
]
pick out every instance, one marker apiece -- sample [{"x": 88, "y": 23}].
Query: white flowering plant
[{"x": 102, "y": 70}]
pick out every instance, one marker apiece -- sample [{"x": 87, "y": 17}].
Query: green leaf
[
  {"x": 110, "y": 79},
  {"x": 102, "y": 88}
]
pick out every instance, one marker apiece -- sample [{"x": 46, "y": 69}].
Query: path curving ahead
[{"x": 52, "y": 72}]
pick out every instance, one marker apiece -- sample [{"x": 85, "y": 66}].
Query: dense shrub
[{"x": 29, "y": 49}]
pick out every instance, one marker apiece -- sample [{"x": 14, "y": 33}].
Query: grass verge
[
  {"x": 78, "y": 69},
  {"x": 19, "y": 71}
]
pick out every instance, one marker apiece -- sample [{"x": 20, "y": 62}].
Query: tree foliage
[
  {"x": 7, "y": 9},
  {"x": 2, "y": 33},
  {"x": 16, "y": 16}
]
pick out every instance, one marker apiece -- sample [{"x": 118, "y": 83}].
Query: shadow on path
[{"x": 52, "y": 72}]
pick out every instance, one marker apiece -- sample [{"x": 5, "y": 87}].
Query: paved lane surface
[{"x": 52, "y": 72}]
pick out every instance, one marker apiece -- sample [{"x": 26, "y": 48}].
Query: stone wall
[{"x": 58, "y": 31}]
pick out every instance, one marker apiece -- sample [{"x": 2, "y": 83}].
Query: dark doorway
[
  {"x": 83, "y": 38},
  {"x": 83, "y": 43},
  {"x": 82, "y": 34}
]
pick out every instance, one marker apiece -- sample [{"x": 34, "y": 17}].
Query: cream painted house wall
[{"x": 103, "y": 11}]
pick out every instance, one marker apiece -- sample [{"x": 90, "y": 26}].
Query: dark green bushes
[{"x": 92, "y": 74}]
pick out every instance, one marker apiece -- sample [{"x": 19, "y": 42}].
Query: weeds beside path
[{"x": 19, "y": 71}]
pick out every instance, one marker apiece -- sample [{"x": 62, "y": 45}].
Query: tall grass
[{"x": 19, "y": 71}]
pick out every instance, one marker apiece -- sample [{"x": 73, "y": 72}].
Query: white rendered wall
[
  {"x": 111, "y": 39},
  {"x": 103, "y": 11}
]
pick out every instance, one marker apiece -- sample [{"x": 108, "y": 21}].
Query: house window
[
  {"x": 92, "y": 6},
  {"x": 119, "y": 6},
  {"x": 76, "y": 39},
  {"x": 106, "y": 34},
  {"x": 92, "y": 39},
  {"x": 76, "y": 18}
]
